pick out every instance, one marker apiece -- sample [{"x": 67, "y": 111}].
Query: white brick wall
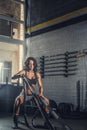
[{"x": 70, "y": 38}]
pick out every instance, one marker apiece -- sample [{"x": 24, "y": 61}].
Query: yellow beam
[{"x": 58, "y": 19}]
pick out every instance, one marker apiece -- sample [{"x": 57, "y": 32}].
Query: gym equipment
[
  {"x": 48, "y": 122},
  {"x": 42, "y": 66},
  {"x": 78, "y": 96},
  {"x": 59, "y": 64},
  {"x": 83, "y": 54},
  {"x": 65, "y": 109}
]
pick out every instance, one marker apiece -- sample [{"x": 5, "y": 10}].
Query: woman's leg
[
  {"x": 47, "y": 101},
  {"x": 18, "y": 101}
]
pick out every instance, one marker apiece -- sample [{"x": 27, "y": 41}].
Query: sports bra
[{"x": 33, "y": 81}]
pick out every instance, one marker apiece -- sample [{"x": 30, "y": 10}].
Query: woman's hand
[
  {"x": 41, "y": 95},
  {"x": 16, "y": 76}
]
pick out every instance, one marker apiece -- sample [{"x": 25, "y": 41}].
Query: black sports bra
[{"x": 33, "y": 81}]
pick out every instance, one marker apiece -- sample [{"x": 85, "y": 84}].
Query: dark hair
[{"x": 27, "y": 63}]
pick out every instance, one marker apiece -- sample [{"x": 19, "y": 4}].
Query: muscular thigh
[{"x": 20, "y": 98}]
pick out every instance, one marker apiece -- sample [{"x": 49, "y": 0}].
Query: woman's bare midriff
[{"x": 28, "y": 91}]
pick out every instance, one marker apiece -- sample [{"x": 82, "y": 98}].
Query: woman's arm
[
  {"x": 40, "y": 84},
  {"x": 20, "y": 73},
  {"x": 41, "y": 88}
]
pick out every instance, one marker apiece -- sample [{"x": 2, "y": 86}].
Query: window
[
  {"x": 5, "y": 27},
  {"x": 5, "y": 71}
]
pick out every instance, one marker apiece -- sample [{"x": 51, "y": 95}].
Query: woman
[{"x": 31, "y": 73}]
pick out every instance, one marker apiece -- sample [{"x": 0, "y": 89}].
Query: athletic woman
[{"x": 30, "y": 71}]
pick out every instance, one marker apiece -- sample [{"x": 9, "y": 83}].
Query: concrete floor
[{"x": 6, "y": 123}]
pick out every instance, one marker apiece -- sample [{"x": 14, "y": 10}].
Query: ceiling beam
[
  {"x": 11, "y": 19},
  {"x": 10, "y": 40}
]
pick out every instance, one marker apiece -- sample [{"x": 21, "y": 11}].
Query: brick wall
[
  {"x": 70, "y": 38},
  {"x": 10, "y": 8}
]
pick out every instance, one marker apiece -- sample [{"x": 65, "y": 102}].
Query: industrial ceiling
[{"x": 46, "y": 15}]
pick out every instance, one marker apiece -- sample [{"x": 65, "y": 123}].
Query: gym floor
[{"x": 6, "y": 123}]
